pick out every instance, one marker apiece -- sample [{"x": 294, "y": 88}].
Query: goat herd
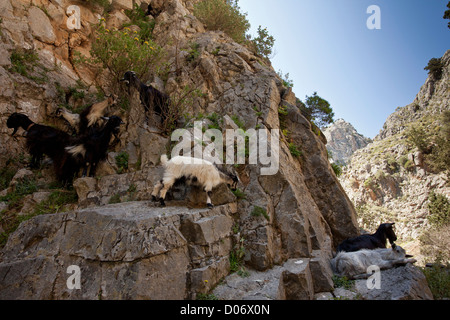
[{"x": 83, "y": 151}]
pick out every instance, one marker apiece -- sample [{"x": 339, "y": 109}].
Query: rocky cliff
[
  {"x": 134, "y": 250},
  {"x": 281, "y": 227},
  {"x": 343, "y": 140},
  {"x": 390, "y": 179}
]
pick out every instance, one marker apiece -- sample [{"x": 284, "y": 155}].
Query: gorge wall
[{"x": 134, "y": 249}]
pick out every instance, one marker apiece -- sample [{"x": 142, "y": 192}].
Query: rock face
[
  {"x": 134, "y": 250},
  {"x": 402, "y": 283},
  {"x": 343, "y": 140},
  {"x": 124, "y": 251}
]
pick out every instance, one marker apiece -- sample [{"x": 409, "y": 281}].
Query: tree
[
  {"x": 319, "y": 110},
  {"x": 435, "y": 68},
  {"x": 264, "y": 42},
  {"x": 447, "y": 14}
]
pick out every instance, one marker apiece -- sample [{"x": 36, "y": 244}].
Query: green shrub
[
  {"x": 343, "y": 282},
  {"x": 139, "y": 18},
  {"x": 240, "y": 195},
  {"x": 223, "y": 15},
  {"x": 258, "y": 211},
  {"x": 123, "y": 50},
  {"x": 27, "y": 63},
  {"x": 337, "y": 169},
  {"x": 434, "y": 68},
  {"x": 294, "y": 150},
  {"x": 122, "y": 161},
  {"x": 193, "y": 53},
  {"x": 419, "y": 138},
  {"x": 438, "y": 278},
  {"x": 263, "y": 42},
  {"x": 288, "y": 83},
  {"x": 439, "y": 208}
]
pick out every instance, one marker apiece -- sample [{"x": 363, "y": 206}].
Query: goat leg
[
  {"x": 208, "y": 199},
  {"x": 93, "y": 169}
]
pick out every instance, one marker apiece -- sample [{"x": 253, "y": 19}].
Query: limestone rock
[
  {"x": 343, "y": 141},
  {"x": 124, "y": 251},
  {"x": 402, "y": 283},
  {"x": 296, "y": 280},
  {"x": 41, "y": 26}
]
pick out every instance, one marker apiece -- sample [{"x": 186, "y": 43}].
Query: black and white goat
[
  {"x": 93, "y": 146},
  {"x": 370, "y": 241},
  {"x": 194, "y": 170},
  {"x": 44, "y": 140},
  {"x": 88, "y": 118},
  {"x": 354, "y": 265},
  {"x": 151, "y": 98}
]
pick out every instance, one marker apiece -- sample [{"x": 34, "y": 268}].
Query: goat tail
[
  {"x": 76, "y": 150},
  {"x": 164, "y": 160}
]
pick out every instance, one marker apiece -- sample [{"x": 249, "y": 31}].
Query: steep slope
[
  {"x": 390, "y": 179},
  {"x": 306, "y": 211},
  {"x": 343, "y": 140}
]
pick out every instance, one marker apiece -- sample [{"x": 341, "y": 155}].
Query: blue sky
[{"x": 325, "y": 46}]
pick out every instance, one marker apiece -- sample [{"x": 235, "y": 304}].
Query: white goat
[
  {"x": 194, "y": 170},
  {"x": 354, "y": 264}
]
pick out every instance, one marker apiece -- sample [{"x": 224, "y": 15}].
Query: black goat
[
  {"x": 370, "y": 241},
  {"x": 151, "y": 98},
  {"x": 46, "y": 140},
  {"x": 93, "y": 147}
]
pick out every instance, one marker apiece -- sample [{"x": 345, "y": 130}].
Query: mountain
[
  {"x": 123, "y": 245},
  {"x": 391, "y": 179},
  {"x": 343, "y": 140}
]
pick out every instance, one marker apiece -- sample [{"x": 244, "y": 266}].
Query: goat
[
  {"x": 198, "y": 171},
  {"x": 370, "y": 241},
  {"x": 89, "y": 117},
  {"x": 93, "y": 114},
  {"x": 354, "y": 265},
  {"x": 73, "y": 119},
  {"x": 150, "y": 97},
  {"x": 93, "y": 147},
  {"x": 46, "y": 140}
]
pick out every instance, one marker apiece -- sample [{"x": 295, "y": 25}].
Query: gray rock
[
  {"x": 343, "y": 141},
  {"x": 402, "y": 283},
  {"x": 125, "y": 251},
  {"x": 296, "y": 281},
  {"x": 40, "y": 25}
]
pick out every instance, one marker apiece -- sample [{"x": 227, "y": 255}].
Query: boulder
[
  {"x": 125, "y": 251},
  {"x": 402, "y": 283}
]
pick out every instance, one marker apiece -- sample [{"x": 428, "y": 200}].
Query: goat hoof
[
  {"x": 210, "y": 205},
  {"x": 154, "y": 199},
  {"x": 162, "y": 203}
]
